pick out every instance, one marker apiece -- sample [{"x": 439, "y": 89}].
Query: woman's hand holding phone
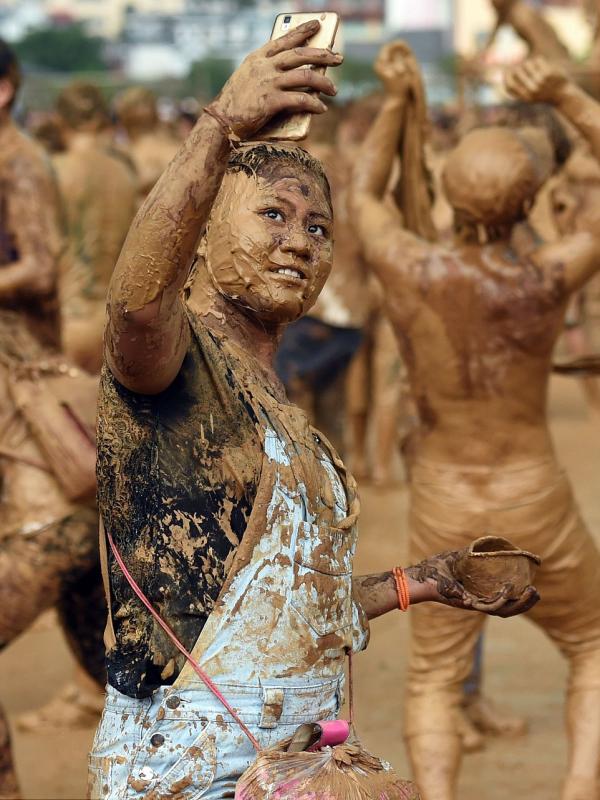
[{"x": 277, "y": 78}]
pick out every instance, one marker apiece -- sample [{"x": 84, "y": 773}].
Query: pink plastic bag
[{"x": 345, "y": 772}]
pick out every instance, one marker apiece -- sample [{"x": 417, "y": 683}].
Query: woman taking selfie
[{"x": 232, "y": 518}]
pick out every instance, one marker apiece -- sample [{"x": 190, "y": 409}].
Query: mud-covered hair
[
  {"x": 136, "y": 107},
  {"x": 82, "y": 103},
  {"x": 267, "y": 160},
  {"x": 9, "y": 67}
]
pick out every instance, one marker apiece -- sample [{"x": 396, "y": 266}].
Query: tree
[
  {"x": 207, "y": 77},
  {"x": 62, "y": 49}
]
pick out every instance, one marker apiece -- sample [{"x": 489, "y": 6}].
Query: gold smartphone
[{"x": 296, "y": 126}]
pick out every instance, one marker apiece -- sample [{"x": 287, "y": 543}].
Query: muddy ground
[{"x": 522, "y": 669}]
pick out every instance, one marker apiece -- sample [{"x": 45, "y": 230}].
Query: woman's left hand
[{"x": 438, "y": 573}]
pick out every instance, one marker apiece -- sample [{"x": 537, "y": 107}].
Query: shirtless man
[
  {"x": 574, "y": 199},
  {"x": 46, "y": 540},
  {"x": 148, "y": 145},
  {"x": 477, "y": 322},
  {"x": 99, "y": 197}
]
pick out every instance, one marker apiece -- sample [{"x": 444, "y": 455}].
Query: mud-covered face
[{"x": 269, "y": 243}]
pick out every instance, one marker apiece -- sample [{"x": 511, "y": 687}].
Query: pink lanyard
[{"x": 193, "y": 663}]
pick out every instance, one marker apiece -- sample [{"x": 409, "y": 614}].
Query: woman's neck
[{"x": 243, "y": 328}]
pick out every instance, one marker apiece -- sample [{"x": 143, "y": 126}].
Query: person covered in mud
[
  {"x": 477, "y": 321},
  {"x": 315, "y": 351},
  {"x": 222, "y": 507},
  {"x": 574, "y": 198},
  {"x": 48, "y": 540},
  {"x": 149, "y": 145},
  {"x": 100, "y": 199}
]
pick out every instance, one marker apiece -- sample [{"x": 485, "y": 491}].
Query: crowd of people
[{"x": 181, "y": 377}]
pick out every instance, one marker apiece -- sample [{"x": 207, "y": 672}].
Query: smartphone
[{"x": 296, "y": 126}]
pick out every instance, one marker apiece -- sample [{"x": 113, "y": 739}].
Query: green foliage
[
  {"x": 207, "y": 77},
  {"x": 449, "y": 64},
  {"x": 354, "y": 78},
  {"x": 61, "y": 49}
]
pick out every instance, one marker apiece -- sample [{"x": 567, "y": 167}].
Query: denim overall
[{"x": 275, "y": 644}]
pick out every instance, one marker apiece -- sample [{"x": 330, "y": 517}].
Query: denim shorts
[{"x": 181, "y": 742}]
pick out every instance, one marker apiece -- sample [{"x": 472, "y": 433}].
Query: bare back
[{"x": 477, "y": 334}]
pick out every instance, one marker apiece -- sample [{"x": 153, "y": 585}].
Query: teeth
[{"x": 287, "y": 271}]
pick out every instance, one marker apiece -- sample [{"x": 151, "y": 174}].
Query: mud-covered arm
[
  {"x": 147, "y": 334},
  {"x": 32, "y": 220},
  {"x": 433, "y": 580},
  {"x": 532, "y": 27},
  {"x": 539, "y": 81},
  {"x": 389, "y": 248},
  {"x": 571, "y": 261}
]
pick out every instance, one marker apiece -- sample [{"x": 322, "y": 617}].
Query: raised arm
[
  {"x": 433, "y": 580},
  {"x": 147, "y": 334},
  {"x": 533, "y": 28},
  {"x": 539, "y": 81},
  {"x": 572, "y": 261},
  {"x": 32, "y": 217},
  {"x": 388, "y": 247}
]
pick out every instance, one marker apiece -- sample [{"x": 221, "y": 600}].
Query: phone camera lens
[{"x": 287, "y": 19}]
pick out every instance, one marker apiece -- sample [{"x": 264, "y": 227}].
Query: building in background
[
  {"x": 158, "y": 44},
  {"x": 102, "y": 17},
  {"x": 106, "y": 17},
  {"x": 154, "y": 39},
  {"x": 17, "y": 17},
  {"x": 428, "y": 26}
]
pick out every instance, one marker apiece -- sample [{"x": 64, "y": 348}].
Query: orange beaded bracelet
[{"x": 401, "y": 588}]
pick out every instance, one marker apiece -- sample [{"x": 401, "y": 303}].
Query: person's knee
[
  {"x": 584, "y": 670},
  {"x": 435, "y": 711}
]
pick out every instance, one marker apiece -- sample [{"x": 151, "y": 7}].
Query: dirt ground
[{"x": 522, "y": 669}]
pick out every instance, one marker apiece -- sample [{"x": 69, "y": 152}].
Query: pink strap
[
  {"x": 193, "y": 663},
  {"x": 350, "y": 689}
]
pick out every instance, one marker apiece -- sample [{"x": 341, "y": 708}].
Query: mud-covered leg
[
  {"x": 35, "y": 566},
  {"x": 443, "y": 643},
  {"x": 82, "y": 614},
  {"x": 33, "y": 570}
]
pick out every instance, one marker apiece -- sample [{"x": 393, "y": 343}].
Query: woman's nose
[{"x": 297, "y": 243}]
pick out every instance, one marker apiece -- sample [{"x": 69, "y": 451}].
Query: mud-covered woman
[{"x": 232, "y": 515}]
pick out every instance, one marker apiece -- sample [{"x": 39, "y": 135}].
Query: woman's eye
[
  {"x": 272, "y": 213},
  {"x": 318, "y": 230}
]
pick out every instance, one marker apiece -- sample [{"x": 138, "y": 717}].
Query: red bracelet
[{"x": 401, "y": 588}]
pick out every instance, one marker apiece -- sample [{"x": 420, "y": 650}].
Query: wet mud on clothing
[
  {"x": 177, "y": 476},
  {"x": 275, "y": 642}
]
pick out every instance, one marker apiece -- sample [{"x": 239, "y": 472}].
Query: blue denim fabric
[
  {"x": 182, "y": 742},
  {"x": 275, "y": 646}
]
